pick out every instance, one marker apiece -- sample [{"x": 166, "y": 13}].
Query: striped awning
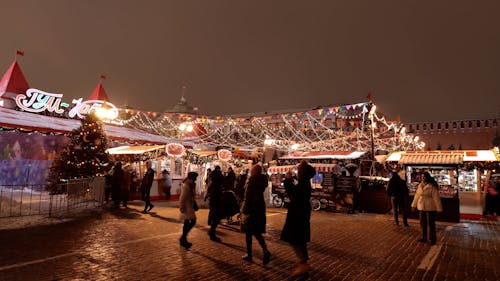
[
  {"x": 319, "y": 168},
  {"x": 427, "y": 158}
]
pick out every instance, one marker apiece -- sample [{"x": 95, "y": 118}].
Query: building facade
[{"x": 458, "y": 134}]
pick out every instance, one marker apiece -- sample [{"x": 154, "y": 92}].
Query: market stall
[
  {"x": 30, "y": 142},
  {"x": 373, "y": 194},
  {"x": 331, "y": 189},
  {"x": 460, "y": 175}
]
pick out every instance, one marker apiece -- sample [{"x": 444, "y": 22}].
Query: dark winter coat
[
  {"x": 397, "y": 187},
  {"x": 116, "y": 183},
  {"x": 254, "y": 206},
  {"x": 229, "y": 180},
  {"x": 297, "y": 229},
  {"x": 146, "y": 183},
  {"x": 214, "y": 193},
  {"x": 240, "y": 186}
]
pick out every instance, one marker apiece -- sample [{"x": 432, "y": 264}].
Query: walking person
[
  {"x": 253, "y": 212},
  {"x": 427, "y": 201},
  {"x": 229, "y": 180},
  {"x": 126, "y": 184},
  {"x": 493, "y": 196},
  {"x": 214, "y": 193},
  {"x": 166, "y": 183},
  {"x": 240, "y": 185},
  {"x": 188, "y": 207},
  {"x": 297, "y": 229},
  {"x": 116, "y": 184},
  {"x": 398, "y": 191},
  {"x": 146, "y": 183},
  {"x": 107, "y": 182}
]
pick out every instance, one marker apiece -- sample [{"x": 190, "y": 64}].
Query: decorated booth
[
  {"x": 35, "y": 124},
  {"x": 461, "y": 175},
  {"x": 335, "y": 185}
]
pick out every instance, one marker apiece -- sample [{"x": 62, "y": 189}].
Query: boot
[
  {"x": 267, "y": 257},
  {"x": 247, "y": 258},
  {"x": 211, "y": 233},
  {"x": 184, "y": 243},
  {"x": 301, "y": 269}
]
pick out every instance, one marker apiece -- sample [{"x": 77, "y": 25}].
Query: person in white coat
[
  {"x": 188, "y": 207},
  {"x": 428, "y": 202}
]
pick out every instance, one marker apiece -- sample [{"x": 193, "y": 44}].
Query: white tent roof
[
  {"x": 140, "y": 149},
  {"x": 13, "y": 119},
  {"x": 441, "y": 156},
  {"x": 324, "y": 155}
]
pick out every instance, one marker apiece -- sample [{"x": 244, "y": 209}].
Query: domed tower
[{"x": 182, "y": 106}]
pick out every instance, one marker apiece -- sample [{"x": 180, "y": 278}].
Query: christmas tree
[{"x": 84, "y": 156}]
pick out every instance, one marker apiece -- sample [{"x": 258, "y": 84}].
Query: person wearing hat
[
  {"x": 214, "y": 193},
  {"x": 188, "y": 207},
  {"x": 297, "y": 228}
]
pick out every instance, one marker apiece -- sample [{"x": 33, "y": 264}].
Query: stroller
[{"x": 230, "y": 206}]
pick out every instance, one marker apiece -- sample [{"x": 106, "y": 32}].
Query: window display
[
  {"x": 446, "y": 178},
  {"x": 467, "y": 180}
]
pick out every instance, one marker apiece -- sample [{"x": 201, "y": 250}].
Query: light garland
[{"x": 340, "y": 128}]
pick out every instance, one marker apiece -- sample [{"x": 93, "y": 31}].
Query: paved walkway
[{"x": 127, "y": 245}]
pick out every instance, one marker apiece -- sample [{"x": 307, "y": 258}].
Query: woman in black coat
[
  {"x": 214, "y": 194},
  {"x": 297, "y": 229},
  {"x": 116, "y": 184},
  {"x": 253, "y": 212}
]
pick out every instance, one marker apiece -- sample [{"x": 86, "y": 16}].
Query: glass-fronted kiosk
[{"x": 447, "y": 179}]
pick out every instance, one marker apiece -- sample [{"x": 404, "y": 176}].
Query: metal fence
[{"x": 26, "y": 200}]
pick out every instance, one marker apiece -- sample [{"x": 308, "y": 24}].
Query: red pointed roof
[
  {"x": 99, "y": 93},
  {"x": 13, "y": 82}
]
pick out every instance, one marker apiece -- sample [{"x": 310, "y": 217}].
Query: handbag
[{"x": 195, "y": 206}]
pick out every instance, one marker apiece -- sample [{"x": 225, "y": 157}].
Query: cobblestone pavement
[{"x": 127, "y": 245}]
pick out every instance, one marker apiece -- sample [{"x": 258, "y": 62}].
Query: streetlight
[
  {"x": 185, "y": 128},
  {"x": 372, "y": 128},
  {"x": 105, "y": 113}
]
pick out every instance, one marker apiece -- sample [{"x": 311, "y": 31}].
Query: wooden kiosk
[{"x": 459, "y": 173}]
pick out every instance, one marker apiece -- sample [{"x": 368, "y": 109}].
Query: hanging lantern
[
  {"x": 175, "y": 149},
  {"x": 224, "y": 155}
]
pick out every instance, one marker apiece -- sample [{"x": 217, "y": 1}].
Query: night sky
[{"x": 422, "y": 60}]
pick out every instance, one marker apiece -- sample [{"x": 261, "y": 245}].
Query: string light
[{"x": 340, "y": 128}]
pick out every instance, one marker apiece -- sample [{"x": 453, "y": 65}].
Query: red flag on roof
[
  {"x": 369, "y": 96},
  {"x": 19, "y": 53},
  {"x": 99, "y": 93}
]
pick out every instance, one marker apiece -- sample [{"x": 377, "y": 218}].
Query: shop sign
[
  {"x": 37, "y": 101},
  {"x": 175, "y": 149},
  {"x": 224, "y": 155},
  {"x": 345, "y": 184}
]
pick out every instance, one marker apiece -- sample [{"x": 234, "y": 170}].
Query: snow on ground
[{"x": 21, "y": 208}]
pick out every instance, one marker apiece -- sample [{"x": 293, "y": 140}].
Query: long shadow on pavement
[
  {"x": 125, "y": 213},
  {"x": 228, "y": 268}
]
